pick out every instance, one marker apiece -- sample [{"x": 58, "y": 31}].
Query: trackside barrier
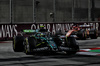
[{"x": 7, "y": 31}]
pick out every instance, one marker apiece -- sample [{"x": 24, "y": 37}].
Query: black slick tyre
[
  {"x": 18, "y": 43},
  {"x": 73, "y": 45},
  {"x": 93, "y": 34},
  {"x": 82, "y": 34}
]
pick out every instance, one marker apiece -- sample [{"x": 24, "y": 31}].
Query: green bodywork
[
  {"x": 47, "y": 40},
  {"x": 30, "y": 31}
]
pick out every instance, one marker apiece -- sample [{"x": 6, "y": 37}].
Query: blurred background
[{"x": 30, "y": 11}]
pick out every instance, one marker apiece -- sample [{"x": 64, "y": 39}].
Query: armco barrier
[{"x": 7, "y": 31}]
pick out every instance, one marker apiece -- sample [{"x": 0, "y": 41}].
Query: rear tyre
[
  {"x": 18, "y": 44},
  {"x": 82, "y": 34},
  {"x": 93, "y": 34}
]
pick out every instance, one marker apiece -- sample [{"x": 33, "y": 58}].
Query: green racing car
[{"x": 35, "y": 41}]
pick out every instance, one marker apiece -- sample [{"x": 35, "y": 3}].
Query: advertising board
[{"x": 8, "y": 31}]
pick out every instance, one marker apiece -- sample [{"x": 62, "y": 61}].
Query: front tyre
[
  {"x": 73, "y": 45},
  {"x": 74, "y": 50}
]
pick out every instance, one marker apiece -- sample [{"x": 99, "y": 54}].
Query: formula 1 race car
[
  {"x": 34, "y": 41},
  {"x": 82, "y": 32}
]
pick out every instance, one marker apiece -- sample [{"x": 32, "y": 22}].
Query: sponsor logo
[
  {"x": 12, "y": 30},
  {"x": 63, "y": 27},
  {"x": 53, "y": 27},
  {"x": 8, "y": 31}
]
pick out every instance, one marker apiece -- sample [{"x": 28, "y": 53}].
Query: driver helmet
[
  {"x": 41, "y": 27},
  {"x": 42, "y": 35}
]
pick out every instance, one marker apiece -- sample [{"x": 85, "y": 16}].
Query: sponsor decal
[
  {"x": 53, "y": 27},
  {"x": 12, "y": 30},
  {"x": 63, "y": 27}
]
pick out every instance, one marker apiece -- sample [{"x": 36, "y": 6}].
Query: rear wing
[
  {"x": 30, "y": 31},
  {"x": 85, "y": 26}
]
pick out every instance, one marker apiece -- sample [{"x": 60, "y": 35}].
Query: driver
[
  {"x": 42, "y": 29},
  {"x": 76, "y": 27},
  {"x": 42, "y": 34}
]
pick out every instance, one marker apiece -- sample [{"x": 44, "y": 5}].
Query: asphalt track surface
[{"x": 10, "y": 58}]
